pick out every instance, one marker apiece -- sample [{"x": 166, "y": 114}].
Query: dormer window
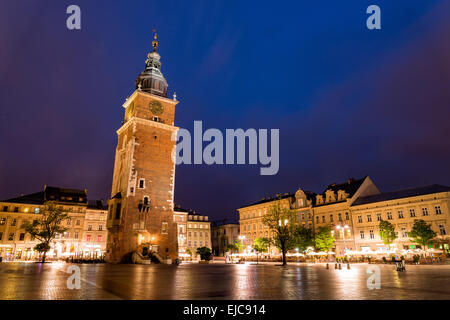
[{"x": 156, "y": 119}]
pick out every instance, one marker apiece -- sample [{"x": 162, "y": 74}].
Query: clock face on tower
[{"x": 156, "y": 107}]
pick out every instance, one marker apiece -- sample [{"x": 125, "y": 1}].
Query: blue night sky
[{"x": 348, "y": 101}]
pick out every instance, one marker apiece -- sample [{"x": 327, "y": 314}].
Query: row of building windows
[
  {"x": 347, "y": 217},
  {"x": 248, "y": 227},
  {"x": 60, "y": 236},
  {"x": 403, "y": 232},
  {"x": 16, "y": 209},
  {"x": 206, "y": 243},
  {"x": 68, "y": 222},
  {"x": 200, "y": 226},
  {"x": 400, "y": 215},
  {"x": 412, "y": 214},
  {"x": 11, "y": 236},
  {"x": 200, "y": 234}
]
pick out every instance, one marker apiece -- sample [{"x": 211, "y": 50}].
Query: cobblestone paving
[{"x": 221, "y": 281}]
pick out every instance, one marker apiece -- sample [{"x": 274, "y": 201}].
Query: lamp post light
[{"x": 343, "y": 227}]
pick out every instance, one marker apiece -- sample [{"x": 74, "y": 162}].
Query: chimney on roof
[{"x": 350, "y": 180}]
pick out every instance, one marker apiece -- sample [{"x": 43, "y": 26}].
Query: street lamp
[{"x": 343, "y": 234}]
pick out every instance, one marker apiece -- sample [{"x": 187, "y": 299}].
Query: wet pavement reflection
[{"x": 221, "y": 281}]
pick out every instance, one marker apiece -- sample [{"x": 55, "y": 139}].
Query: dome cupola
[{"x": 151, "y": 80}]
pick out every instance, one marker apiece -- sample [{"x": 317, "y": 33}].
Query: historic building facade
[
  {"x": 16, "y": 244},
  {"x": 198, "y": 232},
  {"x": 353, "y": 210},
  {"x": 401, "y": 208},
  {"x": 180, "y": 218},
  {"x": 141, "y": 216},
  {"x": 223, "y": 234}
]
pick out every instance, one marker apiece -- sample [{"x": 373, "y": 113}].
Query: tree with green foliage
[
  {"x": 260, "y": 245},
  {"x": 235, "y": 247},
  {"x": 387, "y": 232},
  {"x": 205, "y": 253},
  {"x": 324, "y": 241},
  {"x": 304, "y": 238},
  {"x": 283, "y": 225},
  {"x": 421, "y": 233},
  {"x": 46, "y": 227}
]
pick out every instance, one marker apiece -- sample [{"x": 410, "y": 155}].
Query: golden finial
[{"x": 155, "y": 42}]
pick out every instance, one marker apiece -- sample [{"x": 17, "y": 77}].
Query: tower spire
[
  {"x": 151, "y": 80},
  {"x": 155, "y": 41}
]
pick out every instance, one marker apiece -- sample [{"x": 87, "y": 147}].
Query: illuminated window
[
  {"x": 37, "y": 210},
  {"x": 99, "y": 238},
  {"x": 88, "y": 238},
  {"x": 2, "y": 221},
  {"x": 164, "y": 227}
]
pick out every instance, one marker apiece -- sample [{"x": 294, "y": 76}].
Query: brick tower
[{"x": 140, "y": 216}]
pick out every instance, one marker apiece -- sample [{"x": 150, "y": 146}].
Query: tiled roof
[
  {"x": 223, "y": 222},
  {"x": 97, "y": 204},
  {"x": 350, "y": 187},
  {"x": 270, "y": 199},
  {"x": 52, "y": 194},
  {"x": 400, "y": 194},
  {"x": 33, "y": 198}
]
